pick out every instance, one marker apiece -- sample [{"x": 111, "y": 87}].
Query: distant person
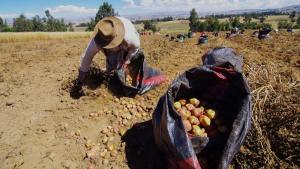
[
  {"x": 255, "y": 34},
  {"x": 117, "y": 38},
  {"x": 203, "y": 38},
  {"x": 235, "y": 30},
  {"x": 264, "y": 33},
  {"x": 290, "y": 30},
  {"x": 216, "y": 34}
]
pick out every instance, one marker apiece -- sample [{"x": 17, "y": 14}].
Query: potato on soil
[
  {"x": 177, "y": 105},
  {"x": 210, "y": 113},
  {"x": 182, "y": 102},
  {"x": 187, "y": 125},
  {"x": 195, "y": 102},
  {"x": 190, "y": 107},
  {"x": 194, "y": 120},
  {"x": 205, "y": 121},
  {"x": 197, "y": 111}
]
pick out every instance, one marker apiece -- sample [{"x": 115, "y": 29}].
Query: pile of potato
[{"x": 196, "y": 118}]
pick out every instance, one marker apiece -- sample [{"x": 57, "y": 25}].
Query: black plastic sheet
[{"x": 219, "y": 87}]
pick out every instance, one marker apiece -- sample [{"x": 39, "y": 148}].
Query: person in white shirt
[{"x": 117, "y": 38}]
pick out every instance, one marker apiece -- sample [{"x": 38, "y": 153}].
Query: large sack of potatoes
[
  {"x": 203, "y": 118},
  {"x": 137, "y": 78}
]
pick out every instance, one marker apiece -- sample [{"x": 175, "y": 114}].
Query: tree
[
  {"x": 149, "y": 25},
  {"x": 22, "y": 24},
  {"x": 1, "y": 22},
  {"x": 193, "y": 20},
  {"x": 212, "y": 24},
  {"x": 38, "y": 24},
  {"x": 262, "y": 19},
  {"x": 235, "y": 22},
  {"x": 292, "y": 16},
  {"x": 298, "y": 20},
  {"x": 91, "y": 25},
  {"x": 70, "y": 27},
  {"x": 247, "y": 19},
  {"x": 54, "y": 25},
  {"x": 284, "y": 24},
  {"x": 104, "y": 10}
]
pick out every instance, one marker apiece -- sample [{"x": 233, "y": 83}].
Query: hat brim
[{"x": 119, "y": 32}]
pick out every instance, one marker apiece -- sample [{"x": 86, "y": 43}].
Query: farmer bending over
[{"x": 117, "y": 38}]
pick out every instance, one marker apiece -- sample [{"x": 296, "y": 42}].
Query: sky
[{"x": 73, "y": 8}]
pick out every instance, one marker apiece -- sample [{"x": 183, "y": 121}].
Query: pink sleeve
[{"x": 88, "y": 56}]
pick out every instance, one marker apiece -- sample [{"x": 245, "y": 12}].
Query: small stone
[
  {"x": 51, "y": 155},
  {"x": 9, "y": 103},
  {"x": 128, "y": 116},
  {"x": 110, "y": 147},
  {"x": 93, "y": 114},
  {"x": 125, "y": 122},
  {"x": 105, "y": 139},
  {"x": 115, "y": 113},
  {"x": 117, "y": 100},
  {"x": 114, "y": 153},
  {"x": 104, "y": 131},
  {"x": 89, "y": 144},
  {"x": 138, "y": 115},
  {"x": 109, "y": 128},
  {"x": 103, "y": 153},
  {"x": 66, "y": 126},
  {"x": 140, "y": 109},
  {"x": 77, "y": 133}
]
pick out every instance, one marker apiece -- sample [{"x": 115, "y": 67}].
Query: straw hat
[{"x": 109, "y": 32}]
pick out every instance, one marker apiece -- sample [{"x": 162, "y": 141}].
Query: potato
[
  {"x": 197, "y": 131},
  {"x": 187, "y": 125},
  {"x": 204, "y": 134},
  {"x": 198, "y": 111},
  {"x": 195, "y": 102},
  {"x": 210, "y": 113},
  {"x": 182, "y": 102},
  {"x": 177, "y": 105},
  {"x": 188, "y": 113},
  {"x": 205, "y": 121},
  {"x": 190, "y": 107},
  {"x": 183, "y": 113},
  {"x": 194, "y": 120}
]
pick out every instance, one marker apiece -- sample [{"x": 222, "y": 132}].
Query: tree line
[
  {"x": 211, "y": 23},
  {"x": 36, "y": 24}
]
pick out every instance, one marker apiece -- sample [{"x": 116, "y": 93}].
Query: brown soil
[{"x": 41, "y": 126}]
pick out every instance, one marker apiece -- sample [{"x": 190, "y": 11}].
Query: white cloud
[
  {"x": 14, "y": 15},
  {"x": 203, "y": 5},
  {"x": 129, "y": 3},
  {"x": 68, "y": 9}
]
